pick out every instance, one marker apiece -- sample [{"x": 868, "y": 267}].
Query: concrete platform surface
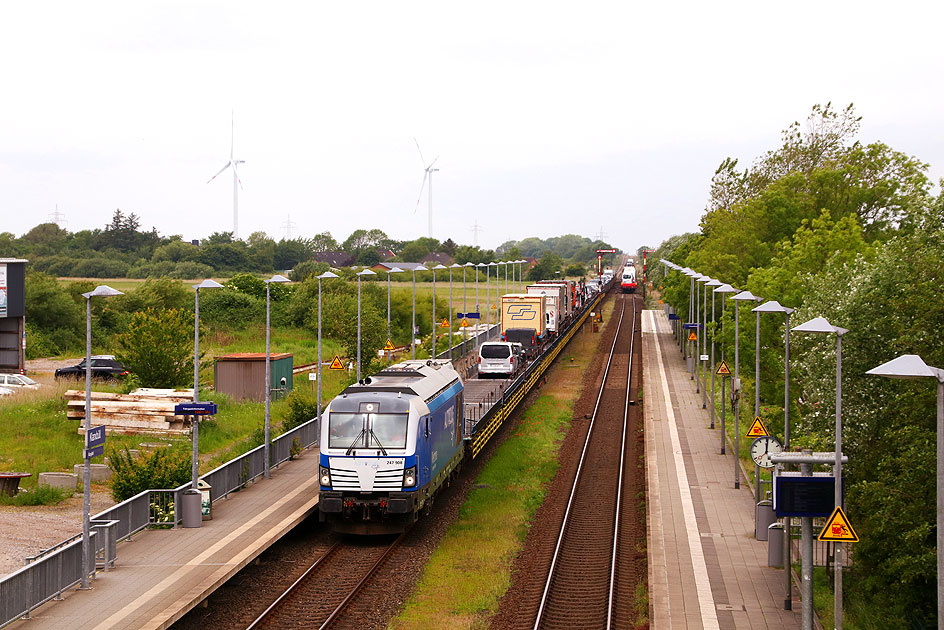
[
  {"x": 162, "y": 574},
  {"x": 706, "y": 569}
]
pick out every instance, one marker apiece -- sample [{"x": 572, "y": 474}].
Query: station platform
[
  {"x": 162, "y": 573},
  {"x": 706, "y": 569}
]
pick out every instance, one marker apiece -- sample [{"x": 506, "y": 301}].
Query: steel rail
[
  {"x": 573, "y": 490},
  {"x": 363, "y": 581},
  {"x": 619, "y": 487},
  {"x": 291, "y": 588}
]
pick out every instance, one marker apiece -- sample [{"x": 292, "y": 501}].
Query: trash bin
[
  {"x": 206, "y": 503},
  {"x": 763, "y": 517},
  {"x": 190, "y": 508},
  {"x": 775, "y": 545}
]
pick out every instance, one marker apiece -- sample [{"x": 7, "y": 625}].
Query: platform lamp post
[
  {"x": 913, "y": 367},
  {"x": 821, "y": 326},
  {"x": 477, "y": 309},
  {"x": 362, "y": 272},
  {"x": 743, "y": 296},
  {"x": 413, "y": 322},
  {"x": 464, "y": 268},
  {"x": 757, "y": 495},
  {"x": 268, "y": 376},
  {"x": 102, "y": 290},
  {"x": 195, "y": 429},
  {"x": 723, "y": 290},
  {"x": 495, "y": 265},
  {"x": 773, "y": 306},
  {"x": 325, "y": 276},
  {"x": 714, "y": 284},
  {"x": 702, "y": 294},
  {"x": 435, "y": 269},
  {"x": 390, "y": 271},
  {"x": 691, "y": 310},
  {"x": 452, "y": 310}
]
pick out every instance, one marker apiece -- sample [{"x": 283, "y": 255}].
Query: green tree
[{"x": 157, "y": 346}]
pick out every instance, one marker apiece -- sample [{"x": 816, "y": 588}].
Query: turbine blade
[
  {"x": 422, "y": 159},
  {"x": 236, "y": 172},
  {"x": 431, "y": 163},
  {"x": 419, "y": 197},
  {"x": 228, "y": 164}
]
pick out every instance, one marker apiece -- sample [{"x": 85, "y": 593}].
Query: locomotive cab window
[{"x": 367, "y": 430}]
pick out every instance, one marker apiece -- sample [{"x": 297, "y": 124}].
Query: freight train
[{"x": 392, "y": 441}]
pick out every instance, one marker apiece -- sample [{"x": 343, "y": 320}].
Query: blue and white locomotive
[{"x": 388, "y": 444}]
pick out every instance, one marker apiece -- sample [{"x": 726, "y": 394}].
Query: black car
[{"x": 103, "y": 367}]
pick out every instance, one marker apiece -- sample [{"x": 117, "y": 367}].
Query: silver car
[{"x": 17, "y": 381}]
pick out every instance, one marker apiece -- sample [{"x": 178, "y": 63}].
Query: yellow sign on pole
[
  {"x": 336, "y": 364},
  {"x": 692, "y": 336},
  {"x": 444, "y": 324},
  {"x": 723, "y": 369},
  {"x": 757, "y": 428},
  {"x": 389, "y": 345},
  {"x": 464, "y": 323},
  {"x": 838, "y": 528}
]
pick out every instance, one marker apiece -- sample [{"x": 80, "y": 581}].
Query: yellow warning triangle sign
[
  {"x": 444, "y": 324},
  {"x": 389, "y": 345},
  {"x": 838, "y": 528},
  {"x": 336, "y": 364},
  {"x": 464, "y": 324},
  {"x": 723, "y": 369},
  {"x": 692, "y": 336},
  {"x": 757, "y": 428}
]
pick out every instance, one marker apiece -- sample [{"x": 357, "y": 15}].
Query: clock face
[{"x": 762, "y": 448}]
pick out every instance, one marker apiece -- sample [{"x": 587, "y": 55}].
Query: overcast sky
[{"x": 548, "y": 118}]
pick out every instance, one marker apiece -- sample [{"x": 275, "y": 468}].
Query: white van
[{"x": 498, "y": 358}]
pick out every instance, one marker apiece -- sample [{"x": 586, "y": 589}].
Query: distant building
[
  {"x": 531, "y": 260},
  {"x": 385, "y": 254},
  {"x": 437, "y": 258},
  {"x": 335, "y": 259}
]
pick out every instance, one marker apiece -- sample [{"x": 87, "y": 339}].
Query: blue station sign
[
  {"x": 467, "y": 315},
  {"x": 95, "y": 436},
  {"x": 195, "y": 409}
]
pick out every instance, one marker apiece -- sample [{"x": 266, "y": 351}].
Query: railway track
[
  {"x": 592, "y": 578},
  {"x": 318, "y": 599}
]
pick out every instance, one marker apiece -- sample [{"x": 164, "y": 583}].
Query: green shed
[{"x": 242, "y": 375}]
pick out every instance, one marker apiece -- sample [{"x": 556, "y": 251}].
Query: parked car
[
  {"x": 498, "y": 358},
  {"x": 103, "y": 367},
  {"x": 17, "y": 381}
]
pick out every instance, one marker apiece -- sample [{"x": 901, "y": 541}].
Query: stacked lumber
[{"x": 144, "y": 410}]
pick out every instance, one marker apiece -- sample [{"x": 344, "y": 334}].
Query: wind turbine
[
  {"x": 236, "y": 183},
  {"x": 428, "y": 174}
]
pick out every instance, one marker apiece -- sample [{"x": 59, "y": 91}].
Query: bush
[
  {"x": 300, "y": 409},
  {"x": 308, "y": 268},
  {"x": 186, "y": 270},
  {"x": 165, "y": 468},
  {"x": 230, "y": 307},
  {"x": 575, "y": 270}
]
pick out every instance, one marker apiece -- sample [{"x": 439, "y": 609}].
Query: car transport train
[{"x": 392, "y": 441}]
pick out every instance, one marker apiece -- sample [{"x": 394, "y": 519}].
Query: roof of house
[
  {"x": 434, "y": 258},
  {"x": 335, "y": 259},
  {"x": 405, "y": 266}
]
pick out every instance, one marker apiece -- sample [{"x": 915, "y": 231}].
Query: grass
[
  {"x": 38, "y": 437},
  {"x": 462, "y": 583},
  {"x": 45, "y": 495}
]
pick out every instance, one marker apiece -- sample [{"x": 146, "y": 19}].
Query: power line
[
  {"x": 475, "y": 233},
  {"x": 57, "y": 217}
]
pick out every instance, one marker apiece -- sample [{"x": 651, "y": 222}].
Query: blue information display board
[{"x": 195, "y": 409}]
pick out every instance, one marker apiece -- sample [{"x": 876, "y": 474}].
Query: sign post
[{"x": 724, "y": 372}]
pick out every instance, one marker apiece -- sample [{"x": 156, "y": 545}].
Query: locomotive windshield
[{"x": 367, "y": 430}]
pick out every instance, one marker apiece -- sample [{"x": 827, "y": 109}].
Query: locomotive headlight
[
  {"x": 325, "y": 476},
  {"x": 409, "y": 477}
]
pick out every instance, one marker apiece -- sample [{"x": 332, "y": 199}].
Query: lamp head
[
  {"x": 745, "y": 296},
  {"x": 366, "y": 272},
  {"x": 713, "y": 283},
  {"x": 326, "y": 275},
  {"x": 278, "y": 278},
  {"x": 907, "y": 366},
  {"x": 772, "y": 306},
  {"x": 394, "y": 270},
  {"x": 726, "y": 288},
  {"x": 102, "y": 290},
  {"x": 208, "y": 284},
  {"x": 819, "y": 325}
]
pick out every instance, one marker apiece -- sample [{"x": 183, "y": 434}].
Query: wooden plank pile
[{"x": 144, "y": 410}]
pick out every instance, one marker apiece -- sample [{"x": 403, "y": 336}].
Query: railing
[
  {"x": 58, "y": 568},
  {"x": 461, "y": 349}
]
